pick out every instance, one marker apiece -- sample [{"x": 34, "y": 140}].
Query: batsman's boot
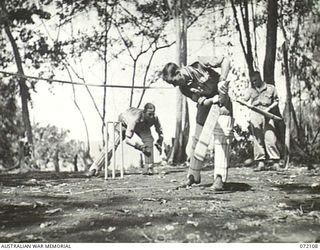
[
  {"x": 150, "y": 171},
  {"x": 191, "y": 180},
  {"x": 91, "y": 173},
  {"x": 194, "y": 176},
  {"x": 260, "y": 167},
  {"x": 275, "y": 165},
  {"x": 218, "y": 184}
]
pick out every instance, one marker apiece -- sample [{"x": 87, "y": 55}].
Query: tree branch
[{"x": 239, "y": 29}]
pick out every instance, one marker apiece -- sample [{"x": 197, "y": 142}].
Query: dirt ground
[{"x": 266, "y": 206}]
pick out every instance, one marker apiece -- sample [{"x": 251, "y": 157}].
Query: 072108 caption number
[{"x": 309, "y": 245}]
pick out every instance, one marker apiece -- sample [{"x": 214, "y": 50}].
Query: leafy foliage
[
  {"x": 21, "y": 12},
  {"x": 300, "y": 24},
  {"x": 241, "y": 146},
  {"x": 34, "y": 47},
  {"x": 52, "y": 143}
]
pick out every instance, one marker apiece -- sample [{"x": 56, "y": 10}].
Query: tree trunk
[
  {"x": 271, "y": 42},
  {"x": 75, "y": 163},
  {"x": 21, "y": 155},
  {"x": 79, "y": 109},
  {"x": 178, "y": 154},
  {"x": 23, "y": 89},
  {"x": 106, "y": 28},
  {"x": 287, "y": 110},
  {"x": 56, "y": 161},
  {"x": 247, "y": 51},
  {"x": 269, "y": 64},
  {"x": 86, "y": 158},
  {"x": 246, "y": 25},
  {"x": 291, "y": 120}
]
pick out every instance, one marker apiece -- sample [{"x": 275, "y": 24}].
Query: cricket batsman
[{"x": 201, "y": 83}]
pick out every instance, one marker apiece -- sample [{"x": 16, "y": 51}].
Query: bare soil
[{"x": 267, "y": 206}]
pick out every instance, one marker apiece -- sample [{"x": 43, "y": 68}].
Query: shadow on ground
[{"x": 68, "y": 207}]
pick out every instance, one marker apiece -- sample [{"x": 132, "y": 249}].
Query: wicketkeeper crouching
[{"x": 136, "y": 124}]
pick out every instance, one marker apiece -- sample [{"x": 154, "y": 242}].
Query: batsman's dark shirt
[{"x": 208, "y": 88}]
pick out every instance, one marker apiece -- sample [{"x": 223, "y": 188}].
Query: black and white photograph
[{"x": 159, "y": 121}]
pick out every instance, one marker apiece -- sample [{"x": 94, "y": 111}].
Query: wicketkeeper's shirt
[{"x": 135, "y": 122}]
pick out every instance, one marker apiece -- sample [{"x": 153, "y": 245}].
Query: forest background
[{"x": 49, "y": 47}]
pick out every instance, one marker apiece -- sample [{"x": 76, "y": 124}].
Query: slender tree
[
  {"x": 23, "y": 88},
  {"x": 287, "y": 110},
  {"x": 271, "y": 41},
  {"x": 245, "y": 40},
  {"x": 299, "y": 29},
  {"x": 178, "y": 154}
]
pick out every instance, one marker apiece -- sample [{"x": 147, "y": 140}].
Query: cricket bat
[
  {"x": 260, "y": 111},
  {"x": 206, "y": 133}
]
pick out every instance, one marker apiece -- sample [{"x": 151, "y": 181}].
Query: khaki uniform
[{"x": 263, "y": 129}]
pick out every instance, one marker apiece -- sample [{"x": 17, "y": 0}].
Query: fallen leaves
[
  {"x": 255, "y": 223},
  {"x": 282, "y": 205},
  {"x": 194, "y": 223},
  {"x": 230, "y": 226},
  {"x": 281, "y": 218},
  {"x": 109, "y": 229},
  {"x": 314, "y": 214},
  {"x": 155, "y": 212},
  {"x": 32, "y": 182},
  {"x": 315, "y": 185},
  {"x": 125, "y": 211},
  {"x": 161, "y": 200},
  {"x": 193, "y": 237},
  {"x": 53, "y": 211},
  {"x": 48, "y": 224},
  {"x": 169, "y": 227}
]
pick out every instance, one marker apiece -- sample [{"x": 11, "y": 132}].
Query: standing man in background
[{"x": 265, "y": 97}]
